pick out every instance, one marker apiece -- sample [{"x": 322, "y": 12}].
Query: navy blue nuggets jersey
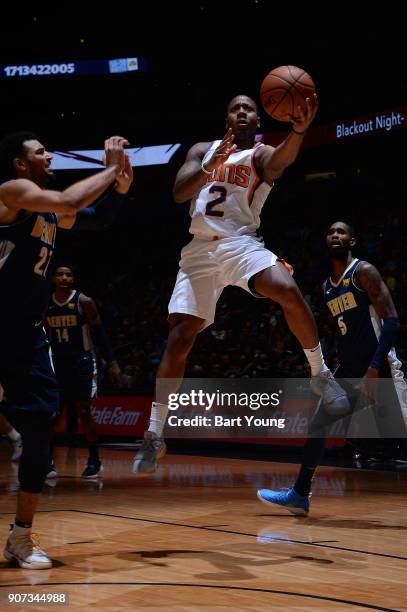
[
  {"x": 72, "y": 349},
  {"x": 68, "y": 329},
  {"x": 26, "y": 254},
  {"x": 358, "y": 324}
]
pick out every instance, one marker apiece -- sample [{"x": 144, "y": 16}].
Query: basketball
[{"x": 283, "y": 89}]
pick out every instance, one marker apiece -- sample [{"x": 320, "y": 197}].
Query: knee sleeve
[
  {"x": 33, "y": 470},
  {"x": 34, "y": 428}
]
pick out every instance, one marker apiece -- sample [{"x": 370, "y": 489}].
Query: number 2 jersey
[
  {"x": 26, "y": 254},
  {"x": 230, "y": 202},
  {"x": 358, "y": 324}
]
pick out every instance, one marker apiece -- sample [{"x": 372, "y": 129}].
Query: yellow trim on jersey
[{"x": 346, "y": 271}]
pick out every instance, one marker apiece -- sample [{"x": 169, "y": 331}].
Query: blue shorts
[
  {"x": 77, "y": 378},
  {"x": 26, "y": 372}
]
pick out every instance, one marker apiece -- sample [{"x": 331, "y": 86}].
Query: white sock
[
  {"x": 157, "y": 418},
  {"x": 13, "y": 435},
  {"x": 21, "y": 531},
  {"x": 316, "y": 360}
]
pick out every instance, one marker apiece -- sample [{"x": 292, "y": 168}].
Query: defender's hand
[
  {"x": 114, "y": 152},
  {"x": 125, "y": 177}
]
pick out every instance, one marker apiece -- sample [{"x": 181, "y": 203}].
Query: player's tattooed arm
[
  {"x": 89, "y": 310},
  {"x": 369, "y": 279}
]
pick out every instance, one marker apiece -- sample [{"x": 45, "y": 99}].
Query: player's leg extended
[
  {"x": 296, "y": 499},
  {"x": 183, "y": 331},
  {"x": 277, "y": 284}
]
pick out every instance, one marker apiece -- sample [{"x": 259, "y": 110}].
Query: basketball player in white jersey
[{"x": 228, "y": 182}]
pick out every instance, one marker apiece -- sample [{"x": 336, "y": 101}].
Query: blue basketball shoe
[{"x": 286, "y": 498}]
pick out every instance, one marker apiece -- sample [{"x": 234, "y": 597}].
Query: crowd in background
[{"x": 250, "y": 337}]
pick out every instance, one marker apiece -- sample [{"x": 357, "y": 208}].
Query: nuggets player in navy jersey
[
  {"x": 72, "y": 320},
  {"x": 366, "y": 325},
  {"x": 228, "y": 182},
  {"x": 29, "y": 216}
]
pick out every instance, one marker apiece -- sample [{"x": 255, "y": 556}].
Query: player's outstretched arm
[
  {"x": 23, "y": 194},
  {"x": 271, "y": 162},
  {"x": 100, "y": 214}
]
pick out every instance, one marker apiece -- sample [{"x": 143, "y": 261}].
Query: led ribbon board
[
  {"x": 73, "y": 68},
  {"x": 91, "y": 159}
]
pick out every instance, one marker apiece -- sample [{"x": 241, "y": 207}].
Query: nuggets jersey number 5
[
  {"x": 358, "y": 323},
  {"x": 230, "y": 202}
]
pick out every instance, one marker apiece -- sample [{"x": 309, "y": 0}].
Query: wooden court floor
[{"x": 193, "y": 536}]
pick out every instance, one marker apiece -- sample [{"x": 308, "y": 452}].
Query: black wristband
[
  {"x": 386, "y": 341},
  {"x": 299, "y": 133}
]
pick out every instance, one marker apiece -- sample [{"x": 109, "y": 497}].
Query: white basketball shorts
[{"x": 208, "y": 266}]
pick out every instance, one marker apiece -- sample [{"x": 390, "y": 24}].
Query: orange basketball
[{"x": 283, "y": 89}]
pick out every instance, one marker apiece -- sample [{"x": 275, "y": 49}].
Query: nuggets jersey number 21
[{"x": 230, "y": 202}]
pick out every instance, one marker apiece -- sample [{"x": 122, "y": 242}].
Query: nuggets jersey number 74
[{"x": 230, "y": 202}]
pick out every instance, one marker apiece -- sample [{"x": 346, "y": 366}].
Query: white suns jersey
[{"x": 230, "y": 202}]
